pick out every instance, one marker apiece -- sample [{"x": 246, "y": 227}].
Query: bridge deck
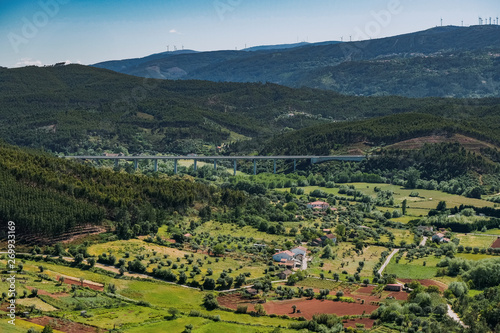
[{"x": 279, "y": 157}]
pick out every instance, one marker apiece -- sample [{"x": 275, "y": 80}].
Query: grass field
[
  {"x": 480, "y": 241},
  {"x": 38, "y": 303},
  {"x": 415, "y": 269},
  {"x": 116, "y": 317},
  {"x": 427, "y": 199}
]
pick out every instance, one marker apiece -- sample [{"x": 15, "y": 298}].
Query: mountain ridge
[{"x": 295, "y": 67}]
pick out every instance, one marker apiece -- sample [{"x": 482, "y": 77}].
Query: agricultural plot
[
  {"x": 21, "y": 326},
  {"x": 480, "y": 241},
  {"x": 427, "y": 199},
  {"x": 154, "y": 254},
  {"x": 217, "y": 228},
  {"x": 414, "y": 269},
  {"x": 346, "y": 259}
]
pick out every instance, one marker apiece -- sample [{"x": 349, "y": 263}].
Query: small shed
[
  {"x": 393, "y": 287},
  {"x": 285, "y": 274}
]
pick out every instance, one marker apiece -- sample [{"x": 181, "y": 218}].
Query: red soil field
[
  {"x": 310, "y": 307},
  {"x": 93, "y": 286},
  {"x": 64, "y": 325},
  {"x": 43, "y": 292}
]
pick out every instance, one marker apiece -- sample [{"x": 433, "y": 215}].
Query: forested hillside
[
  {"x": 331, "y": 138},
  {"x": 47, "y": 195},
  {"x": 79, "y": 109},
  {"x": 343, "y": 67},
  {"x": 453, "y": 74}
]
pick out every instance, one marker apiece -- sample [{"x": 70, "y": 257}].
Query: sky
[{"x": 43, "y": 32}]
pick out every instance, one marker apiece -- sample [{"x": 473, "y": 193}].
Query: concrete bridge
[{"x": 195, "y": 158}]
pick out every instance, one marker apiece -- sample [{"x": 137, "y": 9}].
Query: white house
[
  {"x": 299, "y": 250},
  {"x": 288, "y": 255}
]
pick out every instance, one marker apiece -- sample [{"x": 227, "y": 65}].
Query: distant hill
[
  {"x": 286, "y": 46},
  {"x": 81, "y": 109},
  {"x": 397, "y": 131},
  {"x": 386, "y": 66}
]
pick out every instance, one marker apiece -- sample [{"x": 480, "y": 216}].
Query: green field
[
  {"x": 480, "y": 241},
  {"x": 415, "y": 269}
]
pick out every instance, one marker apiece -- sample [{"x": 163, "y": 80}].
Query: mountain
[{"x": 347, "y": 67}]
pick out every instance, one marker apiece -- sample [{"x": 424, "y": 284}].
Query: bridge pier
[
  {"x": 294, "y": 165},
  {"x": 254, "y": 167},
  {"x": 175, "y": 166},
  {"x": 156, "y": 165},
  {"x": 194, "y": 165},
  {"x": 136, "y": 164},
  {"x": 274, "y": 166},
  {"x": 215, "y": 164},
  {"x": 234, "y": 167},
  {"x": 116, "y": 163}
]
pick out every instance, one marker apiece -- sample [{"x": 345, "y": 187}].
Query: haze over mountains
[{"x": 444, "y": 61}]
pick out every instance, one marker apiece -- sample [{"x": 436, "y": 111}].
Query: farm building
[
  {"x": 393, "y": 287},
  {"x": 287, "y": 255},
  {"x": 318, "y": 205},
  {"x": 321, "y": 240},
  {"x": 439, "y": 238},
  {"x": 285, "y": 274}
]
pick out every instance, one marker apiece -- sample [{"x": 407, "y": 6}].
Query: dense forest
[
  {"x": 48, "y": 195},
  {"x": 326, "y": 139},
  {"x": 78, "y": 109}
]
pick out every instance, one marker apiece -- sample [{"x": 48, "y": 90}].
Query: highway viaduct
[{"x": 195, "y": 158}]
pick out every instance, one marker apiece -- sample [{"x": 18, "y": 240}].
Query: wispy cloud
[
  {"x": 28, "y": 62},
  {"x": 174, "y": 31}
]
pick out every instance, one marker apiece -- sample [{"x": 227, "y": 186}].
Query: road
[
  {"x": 387, "y": 261},
  {"x": 304, "y": 263},
  {"x": 424, "y": 240},
  {"x": 452, "y": 314}
]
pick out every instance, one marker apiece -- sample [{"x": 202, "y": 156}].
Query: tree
[
  {"x": 79, "y": 258},
  {"x": 404, "y": 206},
  {"x": 174, "y": 312},
  {"x": 336, "y": 276},
  {"x": 209, "y": 284},
  {"x": 294, "y": 308},
  {"x": 259, "y": 310},
  {"x": 61, "y": 280},
  {"x": 340, "y": 230},
  {"x": 441, "y": 206},
  {"x": 327, "y": 252},
  {"x": 218, "y": 250},
  {"x": 210, "y": 302},
  {"x": 91, "y": 261},
  {"x": 412, "y": 176},
  {"x": 339, "y": 294},
  {"x": 47, "y": 329}
]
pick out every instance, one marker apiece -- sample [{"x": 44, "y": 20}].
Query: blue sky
[{"x": 84, "y": 31}]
